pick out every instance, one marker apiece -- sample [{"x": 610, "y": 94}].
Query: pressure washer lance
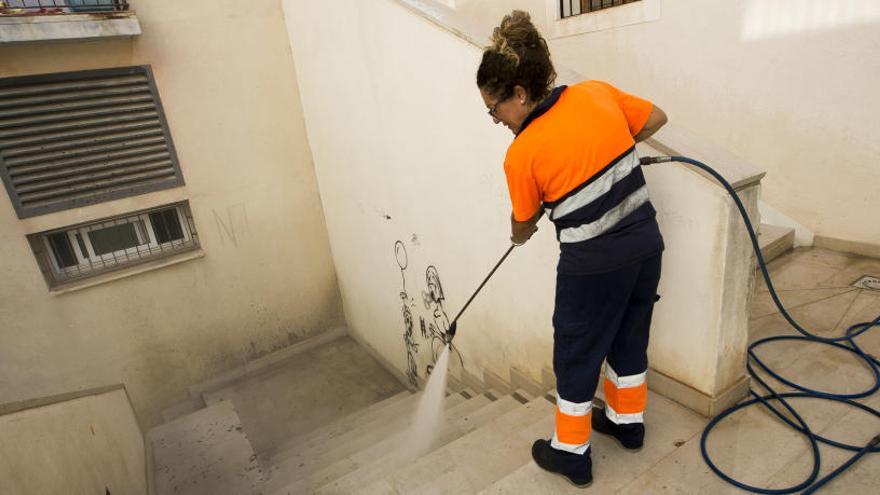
[{"x": 452, "y": 326}]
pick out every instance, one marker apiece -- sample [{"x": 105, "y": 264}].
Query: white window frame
[
  {"x": 600, "y": 20},
  {"x": 149, "y": 246}
]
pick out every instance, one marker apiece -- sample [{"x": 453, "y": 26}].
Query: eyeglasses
[{"x": 492, "y": 109}]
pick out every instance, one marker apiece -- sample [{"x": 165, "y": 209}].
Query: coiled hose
[{"x": 773, "y": 399}]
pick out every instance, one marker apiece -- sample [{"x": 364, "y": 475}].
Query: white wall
[
  {"x": 487, "y": 14},
  {"x": 83, "y": 446},
  {"x": 404, "y": 150},
  {"x": 228, "y": 87},
  {"x": 789, "y": 85}
]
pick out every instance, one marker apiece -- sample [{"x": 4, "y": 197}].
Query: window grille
[
  {"x": 48, "y": 7},
  {"x": 78, "y": 138},
  {"x": 85, "y": 250},
  {"x": 568, "y": 8}
]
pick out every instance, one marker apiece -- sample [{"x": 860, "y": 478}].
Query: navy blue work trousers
[{"x": 599, "y": 316}]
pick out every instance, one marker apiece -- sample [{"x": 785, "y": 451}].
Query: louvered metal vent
[{"x": 78, "y": 138}]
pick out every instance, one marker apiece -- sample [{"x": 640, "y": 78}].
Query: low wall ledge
[
  {"x": 13, "y": 407},
  {"x": 673, "y": 139},
  {"x": 68, "y": 27}
]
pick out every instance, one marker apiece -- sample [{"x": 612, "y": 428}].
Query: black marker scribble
[
  {"x": 412, "y": 369},
  {"x": 436, "y": 329}
]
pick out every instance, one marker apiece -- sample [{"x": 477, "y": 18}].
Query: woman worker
[{"x": 573, "y": 157}]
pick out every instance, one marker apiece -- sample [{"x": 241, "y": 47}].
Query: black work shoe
[
  {"x": 577, "y": 469},
  {"x": 630, "y": 437}
]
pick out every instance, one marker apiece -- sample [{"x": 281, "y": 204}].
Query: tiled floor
[{"x": 753, "y": 446}]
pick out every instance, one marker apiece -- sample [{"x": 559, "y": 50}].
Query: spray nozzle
[{"x": 451, "y": 332}]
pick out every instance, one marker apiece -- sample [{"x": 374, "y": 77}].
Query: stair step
[
  {"x": 392, "y": 419},
  {"x": 259, "y": 365},
  {"x": 502, "y": 419},
  {"x": 372, "y": 462},
  {"x": 476, "y": 460},
  {"x": 300, "y": 462},
  {"x": 522, "y": 381},
  {"x": 399, "y": 405},
  {"x": 669, "y": 426},
  {"x": 524, "y": 396},
  {"x": 211, "y": 398},
  {"x": 347, "y": 423},
  {"x": 204, "y": 452},
  {"x": 182, "y": 408},
  {"x": 775, "y": 241}
]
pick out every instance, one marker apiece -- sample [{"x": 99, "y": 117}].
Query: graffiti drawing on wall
[
  {"x": 436, "y": 328},
  {"x": 407, "y": 303},
  {"x": 433, "y": 326}
]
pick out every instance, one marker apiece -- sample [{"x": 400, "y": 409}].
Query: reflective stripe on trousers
[
  {"x": 573, "y": 426},
  {"x": 625, "y": 396}
]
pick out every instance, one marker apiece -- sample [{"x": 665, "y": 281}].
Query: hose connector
[{"x": 649, "y": 160}]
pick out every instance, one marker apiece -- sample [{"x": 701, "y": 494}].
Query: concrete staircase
[
  {"x": 775, "y": 241},
  {"x": 483, "y": 445},
  {"x": 484, "y": 437},
  {"x": 370, "y": 460},
  {"x": 487, "y": 429}
]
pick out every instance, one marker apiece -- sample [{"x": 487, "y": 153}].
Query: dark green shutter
[{"x": 78, "y": 138}]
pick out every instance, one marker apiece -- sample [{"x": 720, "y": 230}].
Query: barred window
[
  {"x": 85, "y": 250},
  {"x": 61, "y": 6},
  {"x": 78, "y": 138},
  {"x": 568, "y": 8}
]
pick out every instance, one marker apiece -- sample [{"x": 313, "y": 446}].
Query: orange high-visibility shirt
[
  {"x": 590, "y": 125},
  {"x": 575, "y": 155}
]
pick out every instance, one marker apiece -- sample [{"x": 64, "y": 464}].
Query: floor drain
[{"x": 868, "y": 282}]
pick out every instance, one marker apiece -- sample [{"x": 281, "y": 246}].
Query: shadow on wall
[{"x": 434, "y": 328}]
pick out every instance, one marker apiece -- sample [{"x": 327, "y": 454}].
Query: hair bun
[
  {"x": 517, "y": 56},
  {"x": 515, "y": 33}
]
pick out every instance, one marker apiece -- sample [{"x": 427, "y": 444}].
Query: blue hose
[{"x": 772, "y": 399}]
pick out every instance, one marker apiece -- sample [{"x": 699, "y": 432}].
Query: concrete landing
[
  {"x": 204, "y": 453},
  {"x": 307, "y": 391}
]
